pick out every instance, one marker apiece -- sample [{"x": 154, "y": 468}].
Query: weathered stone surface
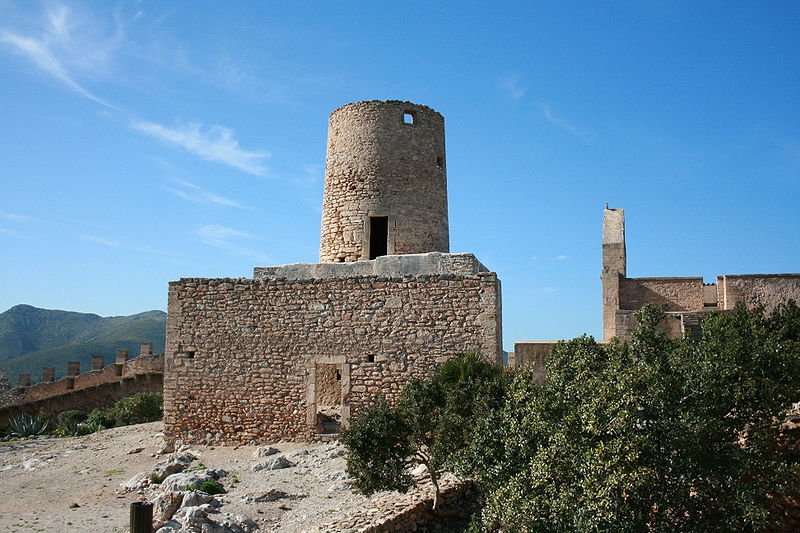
[
  {"x": 242, "y": 354},
  {"x": 378, "y": 164},
  {"x": 274, "y": 463}
]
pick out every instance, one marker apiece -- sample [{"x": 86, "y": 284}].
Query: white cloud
[
  {"x": 560, "y": 258},
  {"x": 102, "y": 241},
  {"x": 217, "y": 235},
  {"x": 229, "y": 239},
  {"x": 11, "y": 233},
  {"x": 14, "y": 217},
  {"x": 559, "y": 122},
  {"x": 513, "y": 88},
  {"x": 216, "y": 144},
  {"x": 66, "y": 48},
  {"x": 197, "y": 195}
]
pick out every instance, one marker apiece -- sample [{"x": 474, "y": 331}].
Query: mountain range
[{"x": 33, "y": 338}]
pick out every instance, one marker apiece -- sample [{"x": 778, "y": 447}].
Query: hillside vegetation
[{"x": 32, "y": 338}]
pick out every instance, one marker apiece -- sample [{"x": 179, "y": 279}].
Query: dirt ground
[{"x": 74, "y": 484}]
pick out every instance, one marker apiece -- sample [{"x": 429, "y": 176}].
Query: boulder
[
  {"x": 166, "y": 504},
  {"x": 274, "y": 463}
]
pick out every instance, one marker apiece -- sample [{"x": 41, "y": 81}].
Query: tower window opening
[
  {"x": 439, "y": 161},
  {"x": 408, "y": 117},
  {"x": 378, "y": 236}
]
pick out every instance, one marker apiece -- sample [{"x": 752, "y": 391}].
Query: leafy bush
[
  {"x": 67, "y": 422},
  {"x": 648, "y": 435},
  {"x": 429, "y": 426},
  {"x": 211, "y": 487},
  {"x": 101, "y": 418},
  {"x": 28, "y": 425},
  {"x": 137, "y": 409}
]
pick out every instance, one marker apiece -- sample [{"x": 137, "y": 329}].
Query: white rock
[
  {"x": 185, "y": 481},
  {"x": 275, "y": 463},
  {"x": 166, "y": 504},
  {"x": 136, "y": 482},
  {"x": 264, "y": 451}
]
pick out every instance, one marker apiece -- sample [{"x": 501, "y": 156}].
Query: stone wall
[
  {"x": 679, "y": 294},
  {"x": 242, "y": 354},
  {"x": 378, "y": 164},
  {"x": 533, "y": 353},
  {"x": 111, "y": 373},
  {"x": 91, "y": 390},
  {"x": 759, "y": 289}
]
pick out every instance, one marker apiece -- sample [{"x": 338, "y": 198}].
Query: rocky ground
[{"x": 79, "y": 484}]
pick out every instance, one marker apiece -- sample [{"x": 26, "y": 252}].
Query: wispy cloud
[
  {"x": 561, "y": 123},
  {"x": 14, "y": 217},
  {"x": 65, "y": 48},
  {"x": 561, "y": 258},
  {"x": 197, "y": 195},
  {"x": 11, "y": 233},
  {"x": 216, "y": 143},
  {"x": 512, "y": 87},
  {"x": 548, "y": 290},
  {"x": 102, "y": 241},
  {"x": 229, "y": 239}
]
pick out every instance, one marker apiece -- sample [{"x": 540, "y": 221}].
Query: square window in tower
[{"x": 378, "y": 236}]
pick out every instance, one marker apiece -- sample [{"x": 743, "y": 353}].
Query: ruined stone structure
[
  {"x": 686, "y": 298},
  {"x": 296, "y": 351}
]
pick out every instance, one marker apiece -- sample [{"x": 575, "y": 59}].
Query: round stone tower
[{"x": 385, "y": 182}]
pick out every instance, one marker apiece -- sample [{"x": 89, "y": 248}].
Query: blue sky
[{"x": 146, "y": 141}]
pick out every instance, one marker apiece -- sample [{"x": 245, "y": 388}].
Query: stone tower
[
  {"x": 385, "y": 182},
  {"x": 614, "y": 267}
]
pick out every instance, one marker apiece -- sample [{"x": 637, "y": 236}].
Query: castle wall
[
  {"x": 678, "y": 294},
  {"x": 758, "y": 289},
  {"x": 379, "y": 165},
  {"x": 242, "y": 354},
  {"x": 111, "y": 373}
]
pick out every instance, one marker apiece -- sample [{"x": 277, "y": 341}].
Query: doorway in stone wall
[{"x": 328, "y": 389}]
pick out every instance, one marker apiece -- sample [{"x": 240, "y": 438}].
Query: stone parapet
[{"x": 389, "y": 266}]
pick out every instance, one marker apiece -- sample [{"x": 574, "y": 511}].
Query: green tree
[
  {"x": 647, "y": 435},
  {"x": 431, "y": 425}
]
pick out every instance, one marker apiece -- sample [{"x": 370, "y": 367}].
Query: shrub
[
  {"x": 211, "y": 487},
  {"x": 28, "y": 425},
  {"x": 137, "y": 409},
  {"x": 648, "y": 435},
  {"x": 431, "y": 425},
  {"x": 102, "y": 418}
]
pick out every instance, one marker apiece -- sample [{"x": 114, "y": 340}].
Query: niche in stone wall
[{"x": 328, "y": 388}]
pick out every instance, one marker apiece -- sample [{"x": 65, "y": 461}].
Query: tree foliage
[
  {"x": 431, "y": 425},
  {"x": 647, "y": 435}
]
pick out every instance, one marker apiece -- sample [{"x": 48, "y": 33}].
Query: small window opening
[
  {"x": 370, "y": 358},
  {"x": 338, "y": 376},
  {"x": 439, "y": 161},
  {"x": 408, "y": 117},
  {"x": 378, "y": 236}
]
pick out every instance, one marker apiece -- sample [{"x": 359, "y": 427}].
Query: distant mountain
[{"x": 32, "y": 338}]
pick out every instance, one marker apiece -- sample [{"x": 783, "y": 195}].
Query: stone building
[
  {"x": 297, "y": 350},
  {"x": 686, "y": 298}
]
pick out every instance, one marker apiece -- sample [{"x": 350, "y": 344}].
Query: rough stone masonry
[{"x": 296, "y": 351}]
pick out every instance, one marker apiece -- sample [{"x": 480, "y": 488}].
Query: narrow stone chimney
[
  {"x": 98, "y": 362},
  {"x": 122, "y": 356},
  {"x": 145, "y": 348},
  {"x": 24, "y": 380}
]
